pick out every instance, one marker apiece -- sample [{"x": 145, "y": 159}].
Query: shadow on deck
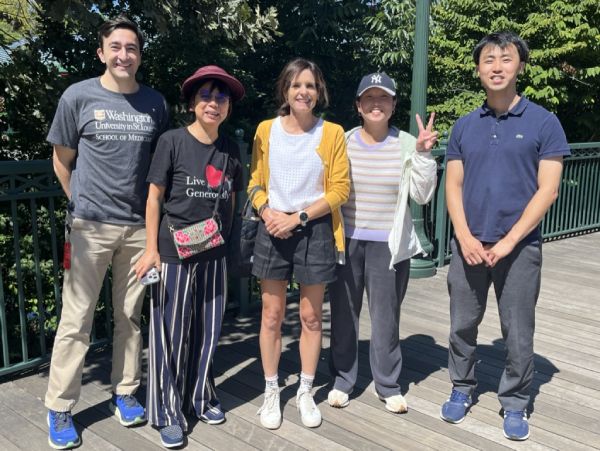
[{"x": 566, "y": 391}]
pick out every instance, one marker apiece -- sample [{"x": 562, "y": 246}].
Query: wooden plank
[
  {"x": 435, "y": 356},
  {"x": 33, "y": 410},
  {"x": 236, "y": 432},
  {"x": 255, "y": 434},
  {"x": 578, "y": 333},
  {"x": 492, "y": 362},
  {"x": 413, "y": 432},
  {"x": 495, "y": 414},
  {"x": 421, "y": 320},
  {"x": 327, "y": 436},
  {"x": 19, "y": 431},
  {"x": 7, "y": 445},
  {"x": 200, "y": 436},
  {"x": 566, "y": 385},
  {"x": 95, "y": 416}
]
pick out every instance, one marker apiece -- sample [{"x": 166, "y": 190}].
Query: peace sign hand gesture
[{"x": 427, "y": 137}]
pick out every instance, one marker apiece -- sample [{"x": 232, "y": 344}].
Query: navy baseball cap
[{"x": 379, "y": 80}]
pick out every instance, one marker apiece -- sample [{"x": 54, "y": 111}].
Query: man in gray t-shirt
[{"x": 103, "y": 135}]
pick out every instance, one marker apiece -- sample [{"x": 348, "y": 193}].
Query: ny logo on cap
[{"x": 376, "y": 78}]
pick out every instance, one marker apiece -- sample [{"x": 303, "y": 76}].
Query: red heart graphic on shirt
[{"x": 213, "y": 175}]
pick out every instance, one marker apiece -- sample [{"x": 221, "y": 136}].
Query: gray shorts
[{"x": 309, "y": 254}]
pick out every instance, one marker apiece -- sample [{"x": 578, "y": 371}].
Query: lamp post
[{"x": 420, "y": 266}]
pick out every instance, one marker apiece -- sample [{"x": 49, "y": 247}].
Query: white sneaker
[
  {"x": 270, "y": 412},
  {"x": 337, "y": 398},
  {"x": 395, "y": 403},
  {"x": 309, "y": 412}
]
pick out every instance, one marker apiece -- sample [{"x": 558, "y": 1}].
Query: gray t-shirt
[{"x": 114, "y": 135}]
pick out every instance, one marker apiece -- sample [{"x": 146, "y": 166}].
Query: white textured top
[{"x": 295, "y": 168}]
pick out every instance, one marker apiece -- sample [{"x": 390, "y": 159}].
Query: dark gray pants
[
  {"x": 366, "y": 266},
  {"x": 516, "y": 280}
]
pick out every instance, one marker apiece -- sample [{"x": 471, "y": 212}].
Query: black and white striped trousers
[{"x": 186, "y": 315}]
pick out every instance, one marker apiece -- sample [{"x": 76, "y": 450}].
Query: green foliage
[
  {"x": 329, "y": 32},
  {"x": 181, "y": 36},
  {"x": 16, "y": 18},
  {"x": 563, "y": 74},
  {"x": 390, "y": 43},
  {"x": 28, "y": 276},
  {"x": 255, "y": 38}
]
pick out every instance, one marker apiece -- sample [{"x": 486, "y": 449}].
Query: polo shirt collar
[{"x": 516, "y": 110}]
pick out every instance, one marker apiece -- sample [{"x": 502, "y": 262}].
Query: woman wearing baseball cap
[
  {"x": 192, "y": 168},
  {"x": 299, "y": 175},
  {"x": 386, "y": 166}
]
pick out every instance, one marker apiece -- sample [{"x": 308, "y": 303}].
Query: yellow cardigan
[{"x": 332, "y": 150}]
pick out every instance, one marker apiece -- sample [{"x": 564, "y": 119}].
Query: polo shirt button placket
[{"x": 494, "y": 139}]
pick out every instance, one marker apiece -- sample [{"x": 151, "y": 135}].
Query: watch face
[{"x": 303, "y": 216}]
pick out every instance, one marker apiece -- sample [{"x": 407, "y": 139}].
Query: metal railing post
[{"x": 420, "y": 266}]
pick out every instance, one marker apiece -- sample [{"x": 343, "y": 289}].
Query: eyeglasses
[{"x": 206, "y": 96}]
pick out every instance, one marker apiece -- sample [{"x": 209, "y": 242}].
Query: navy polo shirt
[{"x": 500, "y": 157}]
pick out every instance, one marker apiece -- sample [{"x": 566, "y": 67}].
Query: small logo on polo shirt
[
  {"x": 99, "y": 115},
  {"x": 519, "y": 136}
]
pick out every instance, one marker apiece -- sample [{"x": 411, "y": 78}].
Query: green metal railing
[
  {"x": 29, "y": 275},
  {"x": 31, "y": 238},
  {"x": 32, "y": 206},
  {"x": 576, "y": 211}
]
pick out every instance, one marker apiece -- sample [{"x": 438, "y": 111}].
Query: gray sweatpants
[
  {"x": 367, "y": 267},
  {"x": 516, "y": 280}
]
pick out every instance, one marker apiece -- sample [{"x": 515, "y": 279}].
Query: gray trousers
[
  {"x": 366, "y": 266},
  {"x": 516, "y": 279}
]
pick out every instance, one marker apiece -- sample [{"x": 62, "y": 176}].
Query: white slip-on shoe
[
  {"x": 337, "y": 398},
  {"x": 395, "y": 403}
]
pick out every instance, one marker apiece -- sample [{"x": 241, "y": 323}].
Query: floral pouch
[{"x": 203, "y": 235}]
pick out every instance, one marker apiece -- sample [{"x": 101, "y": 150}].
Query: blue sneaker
[
  {"x": 171, "y": 436},
  {"x": 61, "y": 431},
  {"x": 127, "y": 409},
  {"x": 455, "y": 409},
  {"x": 516, "y": 426},
  {"x": 212, "y": 415}
]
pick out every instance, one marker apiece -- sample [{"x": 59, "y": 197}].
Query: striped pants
[{"x": 185, "y": 324}]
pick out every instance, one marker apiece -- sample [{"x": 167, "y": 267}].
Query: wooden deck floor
[{"x": 566, "y": 406}]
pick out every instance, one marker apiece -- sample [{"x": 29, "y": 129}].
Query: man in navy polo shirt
[{"x": 504, "y": 163}]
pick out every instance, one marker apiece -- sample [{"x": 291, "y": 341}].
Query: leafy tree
[
  {"x": 563, "y": 74},
  {"x": 16, "y": 18},
  {"x": 329, "y": 32},
  {"x": 181, "y": 36},
  {"x": 390, "y": 45}
]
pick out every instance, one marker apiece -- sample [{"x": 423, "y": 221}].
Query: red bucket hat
[{"x": 205, "y": 72}]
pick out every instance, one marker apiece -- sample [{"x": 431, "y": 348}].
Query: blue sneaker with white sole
[
  {"x": 171, "y": 436},
  {"x": 212, "y": 415},
  {"x": 516, "y": 426},
  {"x": 61, "y": 430},
  {"x": 456, "y": 407},
  {"x": 127, "y": 409}
]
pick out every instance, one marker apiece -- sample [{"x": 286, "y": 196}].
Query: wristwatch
[
  {"x": 262, "y": 208},
  {"x": 303, "y": 218}
]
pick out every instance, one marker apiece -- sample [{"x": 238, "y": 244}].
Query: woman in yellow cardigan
[{"x": 299, "y": 179}]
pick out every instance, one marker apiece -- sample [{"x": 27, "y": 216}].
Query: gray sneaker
[
  {"x": 171, "y": 436},
  {"x": 309, "y": 412},
  {"x": 270, "y": 412}
]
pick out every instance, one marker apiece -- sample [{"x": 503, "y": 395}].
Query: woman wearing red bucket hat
[{"x": 194, "y": 173}]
